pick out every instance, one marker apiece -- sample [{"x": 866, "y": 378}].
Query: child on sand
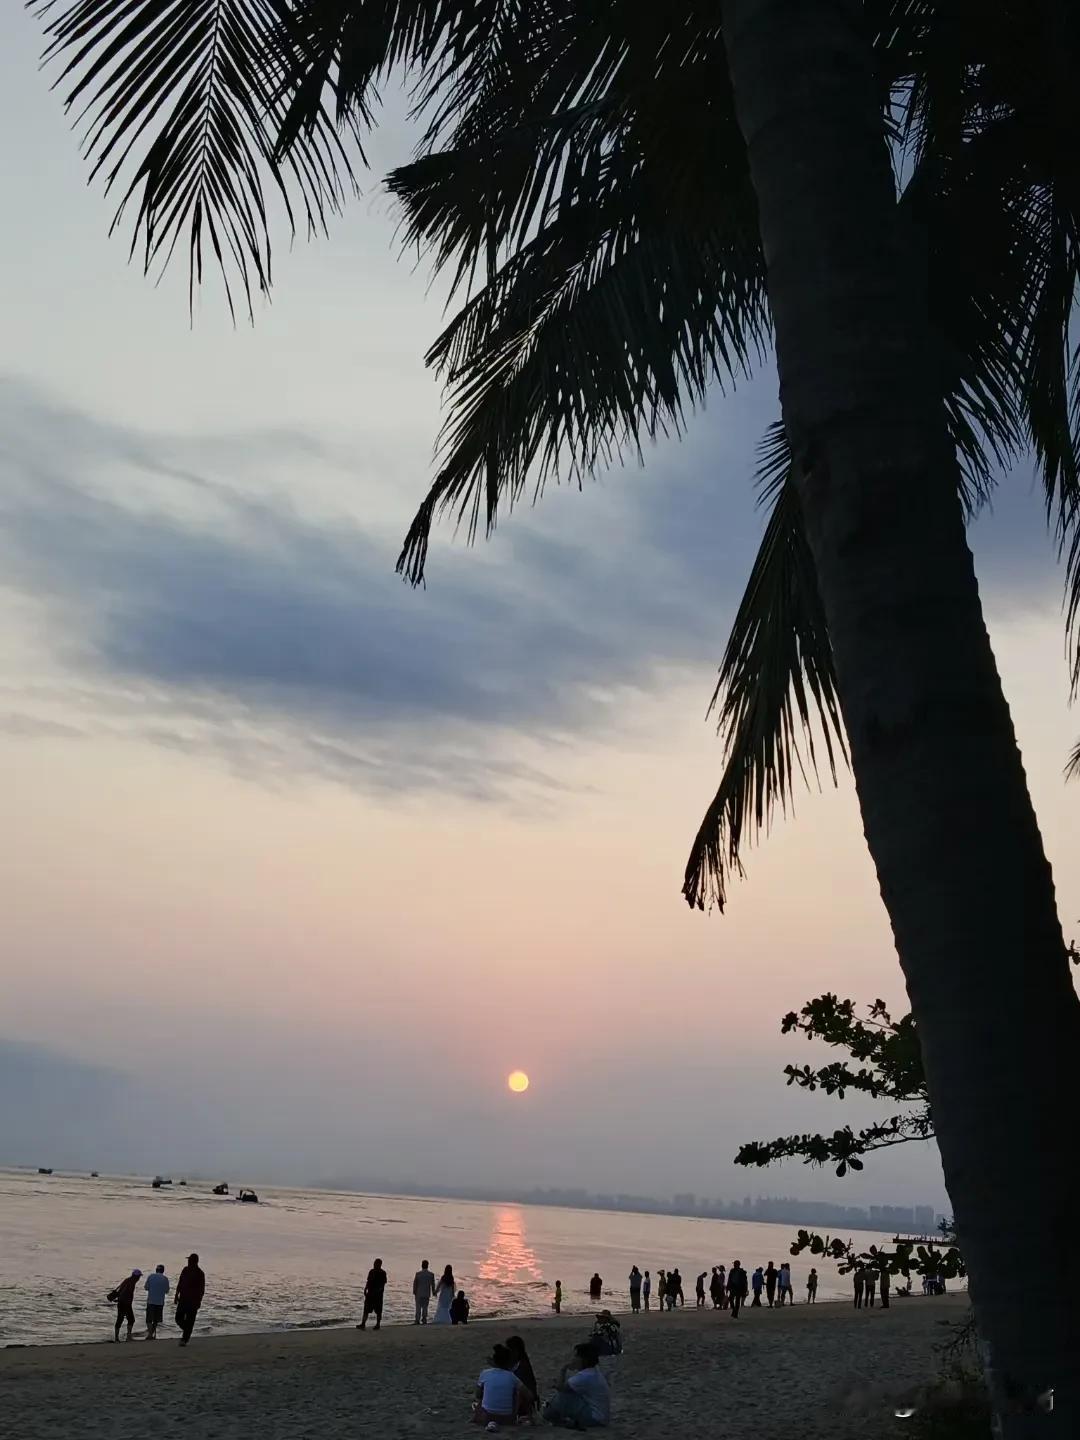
[
  {"x": 556, "y": 1304},
  {"x": 811, "y": 1288}
]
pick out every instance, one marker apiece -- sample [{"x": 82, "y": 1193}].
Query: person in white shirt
[
  {"x": 582, "y": 1399},
  {"x": 499, "y": 1392},
  {"x": 423, "y": 1287},
  {"x": 156, "y": 1287}
]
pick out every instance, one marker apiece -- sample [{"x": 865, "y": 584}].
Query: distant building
[{"x": 925, "y": 1220}]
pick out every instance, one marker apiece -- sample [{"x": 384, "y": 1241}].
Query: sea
[{"x": 297, "y": 1259}]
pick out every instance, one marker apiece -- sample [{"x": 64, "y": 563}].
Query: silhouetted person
[
  {"x": 870, "y": 1282},
  {"x": 757, "y": 1284},
  {"x": 770, "y": 1283},
  {"x": 497, "y": 1391},
  {"x": 556, "y": 1299},
  {"x": 737, "y": 1286},
  {"x": 661, "y": 1288},
  {"x": 423, "y": 1287},
  {"x": 674, "y": 1289},
  {"x": 886, "y": 1285},
  {"x": 190, "y": 1289},
  {"x": 635, "y": 1290},
  {"x": 783, "y": 1285},
  {"x": 596, "y": 1287},
  {"x": 459, "y": 1309},
  {"x": 374, "y": 1288},
  {"x": 582, "y": 1398},
  {"x": 811, "y": 1288},
  {"x": 699, "y": 1290},
  {"x": 124, "y": 1296},
  {"x": 858, "y": 1281},
  {"x": 529, "y": 1395},
  {"x": 716, "y": 1287},
  {"x": 445, "y": 1292},
  {"x": 156, "y": 1287},
  {"x": 646, "y": 1289}
]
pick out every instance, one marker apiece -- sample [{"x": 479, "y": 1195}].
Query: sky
[{"x": 299, "y": 862}]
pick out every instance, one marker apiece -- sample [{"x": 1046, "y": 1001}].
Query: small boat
[
  {"x": 248, "y": 1197},
  {"x": 44, "y": 1169},
  {"x": 158, "y": 1181},
  {"x": 183, "y": 1182},
  {"x": 221, "y": 1189},
  {"x": 93, "y": 1174}
]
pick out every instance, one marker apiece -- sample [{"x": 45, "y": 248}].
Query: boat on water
[
  {"x": 183, "y": 1182},
  {"x": 221, "y": 1189},
  {"x": 158, "y": 1181},
  {"x": 44, "y": 1169},
  {"x": 93, "y": 1174},
  {"x": 248, "y": 1197}
]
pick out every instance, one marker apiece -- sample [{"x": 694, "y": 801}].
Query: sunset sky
[{"x": 298, "y": 862}]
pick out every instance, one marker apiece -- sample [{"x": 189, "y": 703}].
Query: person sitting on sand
[
  {"x": 556, "y": 1303},
  {"x": 459, "y": 1309},
  {"x": 646, "y": 1289},
  {"x": 156, "y": 1287},
  {"x": 607, "y": 1334},
  {"x": 635, "y": 1289},
  {"x": 757, "y": 1284},
  {"x": 699, "y": 1290},
  {"x": 529, "y": 1396},
  {"x": 190, "y": 1291},
  {"x": 811, "y": 1288},
  {"x": 737, "y": 1287},
  {"x": 124, "y": 1296},
  {"x": 374, "y": 1289},
  {"x": 596, "y": 1287},
  {"x": 498, "y": 1391},
  {"x": 582, "y": 1399}
]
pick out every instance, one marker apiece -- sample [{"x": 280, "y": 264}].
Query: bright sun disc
[{"x": 518, "y": 1081}]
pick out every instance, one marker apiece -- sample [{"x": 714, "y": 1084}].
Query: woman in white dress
[{"x": 444, "y": 1292}]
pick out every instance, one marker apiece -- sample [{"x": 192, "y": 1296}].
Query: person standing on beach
[
  {"x": 886, "y": 1284},
  {"x": 757, "y": 1284},
  {"x": 737, "y": 1287},
  {"x": 635, "y": 1290},
  {"x": 770, "y": 1283},
  {"x": 783, "y": 1285},
  {"x": 423, "y": 1287},
  {"x": 156, "y": 1287},
  {"x": 124, "y": 1296},
  {"x": 699, "y": 1290},
  {"x": 646, "y": 1289},
  {"x": 716, "y": 1287},
  {"x": 190, "y": 1289},
  {"x": 661, "y": 1288},
  {"x": 858, "y": 1280},
  {"x": 374, "y": 1288},
  {"x": 556, "y": 1303},
  {"x": 596, "y": 1287},
  {"x": 811, "y": 1288},
  {"x": 870, "y": 1282},
  {"x": 445, "y": 1290},
  {"x": 674, "y": 1289}
]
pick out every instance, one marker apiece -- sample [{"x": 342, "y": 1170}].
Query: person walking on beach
[
  {"x": 646, "y": 1289},
  {"x": 858, "y": 1281},
  {"x": 757, "y": 1284},
  {"x": 374, "y": 1288},
  {"x": 870, "y": 1282},
  {"x": 635, "y": 1290},
  {"x": 556, "y": 1303},
  {"x": 124, "y": 1296},
  {"x": 190, "y": 1289},
  {"x": 156, "y": 1287},
  {"x": 716, "y": 1287},
  {"x": 596, "y": 1287},
  {"x": 811, "y": 1288},
  {"x": 699, "y": 1290},
  {"x": 783, "y": 1285},
  {"x": 736, "y": 1284},
  {"x": 445, "y": 1291},
  {"x": 770, "y": 1283},
  {"x": 423, "y": 1287}
]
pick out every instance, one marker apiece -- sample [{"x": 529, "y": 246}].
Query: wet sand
[{"x": 825, "y": 1372}]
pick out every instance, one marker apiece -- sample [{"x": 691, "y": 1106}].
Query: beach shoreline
[{"x": 835, "y": 1369}]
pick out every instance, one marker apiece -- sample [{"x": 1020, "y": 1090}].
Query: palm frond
[
  {"x": 777, "y": 683},
  {"x": 180, "y": 103}
]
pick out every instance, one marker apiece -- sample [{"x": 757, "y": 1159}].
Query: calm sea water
[{"x": 298, "y": 1259}]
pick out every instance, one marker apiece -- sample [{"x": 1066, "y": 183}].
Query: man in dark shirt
[
  {"x": 190, "y": 1289},
  {"x": 124, "y": 1295},
  {"x": 771, "y": 1273},
  {"x": 373, "y": 1295}
]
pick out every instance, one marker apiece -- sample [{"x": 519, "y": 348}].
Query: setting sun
[{"x": 518, "y": 1081}]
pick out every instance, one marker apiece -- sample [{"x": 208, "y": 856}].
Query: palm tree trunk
[{"x": 940, "y": 781}]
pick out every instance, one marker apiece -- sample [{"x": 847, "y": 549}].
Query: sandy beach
[{"x": 822, "y": 1373}]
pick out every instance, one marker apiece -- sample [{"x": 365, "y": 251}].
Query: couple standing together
[{"x": 425, "y": 1286}]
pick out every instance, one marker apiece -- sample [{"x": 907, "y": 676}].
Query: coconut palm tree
[{"x": 637, "y": 202}]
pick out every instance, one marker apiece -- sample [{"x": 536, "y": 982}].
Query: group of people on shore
[
  {"x": 187, "y": 1298},
  {"x": 451, "y": 1304},
  {"x": 728, "y": 1289},
  {"x": 507, "y": 1391}
]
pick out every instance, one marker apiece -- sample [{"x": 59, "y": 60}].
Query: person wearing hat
[
  {"x": 124, "y": 1295},
  {"x": 190, "y": 1289}
]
